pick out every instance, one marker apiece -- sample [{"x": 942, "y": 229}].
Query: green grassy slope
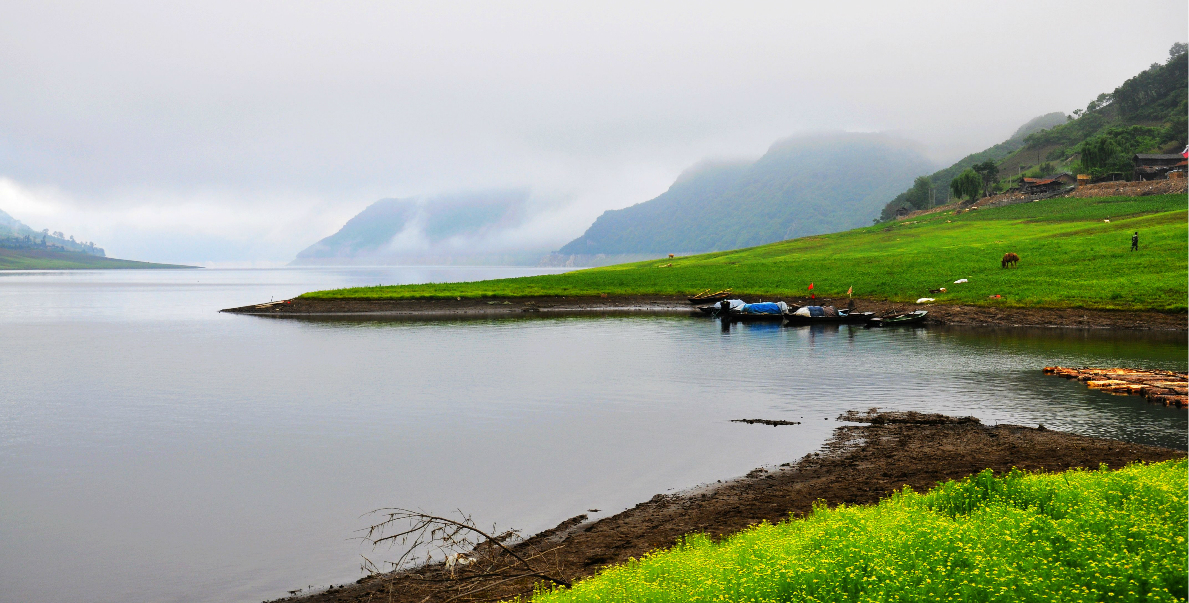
[
  {"x": 37, "y": 259},
  {"x": 1145, "y": 114},
  {"x": 1072, "y": 536},
  {"x": 1070, "y": 258}
]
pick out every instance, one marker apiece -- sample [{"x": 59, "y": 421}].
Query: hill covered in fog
[
  {"x": 475, "y": 228},
  {"x": 802, "y": 186}
]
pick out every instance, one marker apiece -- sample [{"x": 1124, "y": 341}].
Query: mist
[{"x": 233, "y": 133}]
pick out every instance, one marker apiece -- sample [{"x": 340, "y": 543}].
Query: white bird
[{"x": 458, "y": 559}]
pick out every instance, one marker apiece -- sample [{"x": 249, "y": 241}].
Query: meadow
[
  {"x": 39, "y": 259},
  {"x": 1071, "y": 536},
  {"x": 1074, "y": 253}
]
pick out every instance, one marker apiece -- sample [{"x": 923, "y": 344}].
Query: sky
[{"x": 238, "y": 133}]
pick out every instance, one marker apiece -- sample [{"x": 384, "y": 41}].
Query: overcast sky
[{"x": 221, "y": 131}]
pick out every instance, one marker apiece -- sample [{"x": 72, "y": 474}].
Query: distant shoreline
[
  {"x": 487, "y": 308},
  {"x": 44, "y": 259}
]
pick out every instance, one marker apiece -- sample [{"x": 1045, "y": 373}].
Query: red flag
[
  {"x": 811, "y": 286},
  {"x": 1185, "y": 153},
  {"x": 848, "y": 291}
]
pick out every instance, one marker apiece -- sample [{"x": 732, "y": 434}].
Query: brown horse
[{"x": 1009, "y": 259}]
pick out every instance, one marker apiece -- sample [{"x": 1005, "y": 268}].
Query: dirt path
[
  {"x": 459, "y": 309},
  {"x": 861, "y": 464}
]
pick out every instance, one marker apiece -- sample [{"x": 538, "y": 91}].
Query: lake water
[{"x": 152, "y": 449}]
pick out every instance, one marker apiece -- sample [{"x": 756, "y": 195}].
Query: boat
[
  {"x": 812, "y": 315},
  {"x": 706, "y": 297},
  {"x": 908, "y": 318},
  {"x": 762, "y": 311}
]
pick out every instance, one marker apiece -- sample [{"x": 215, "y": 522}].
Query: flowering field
[{"x": 1072, "y": 536}]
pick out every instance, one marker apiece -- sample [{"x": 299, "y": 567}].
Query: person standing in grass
[{"x": 1135, "y": 241}]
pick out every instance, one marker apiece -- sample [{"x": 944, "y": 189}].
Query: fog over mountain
[
  {"x": 803, "y": 185},
  {"x": 475, "y": 228},
  {"x": 228, "y": 132}
]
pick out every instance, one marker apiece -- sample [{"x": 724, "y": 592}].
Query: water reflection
[{"x": 169, "y": 453}]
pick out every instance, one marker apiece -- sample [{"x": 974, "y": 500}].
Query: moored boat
[
  {"x": 706, "y": 297},
  {"x": 908, "y": 318},
  {"x": 761, "y": 311},
  {"x": 810, "y": 315}
]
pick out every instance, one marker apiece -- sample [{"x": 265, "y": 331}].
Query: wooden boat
[
  {"x": 737, "y": 316},
  {"x": 842, "y": 317},
  {"x": 706, "y": 297},
  {"x": 757, "y": 312},
  {"x": 908, "y": 318}
]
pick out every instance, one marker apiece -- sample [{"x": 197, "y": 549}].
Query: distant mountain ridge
[
  {"x": 803, "y": 185},
  {"x": 463, "y": 228}
]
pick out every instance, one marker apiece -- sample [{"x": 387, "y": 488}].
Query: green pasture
[
  {"x": 1071, "y": 256},
  {"x": 1056, "y": 537},
  {"x": 37, "y": 259}
]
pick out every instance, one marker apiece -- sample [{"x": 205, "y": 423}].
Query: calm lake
[{"x": 152, "y": 449}]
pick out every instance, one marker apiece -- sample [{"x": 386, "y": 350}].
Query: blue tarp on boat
[{"x": 764, "y": 308}]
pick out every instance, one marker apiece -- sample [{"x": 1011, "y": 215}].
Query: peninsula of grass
[
  {"x": 42, "y": 259},
  {"x": 1072, "y": 536},
  {"x": 1074, "y": 253}
]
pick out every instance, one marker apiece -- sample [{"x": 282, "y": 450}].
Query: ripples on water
[{"x": 152, "y": 449}]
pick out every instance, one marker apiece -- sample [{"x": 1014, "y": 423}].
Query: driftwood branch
[{"x": 460, "y": 542}]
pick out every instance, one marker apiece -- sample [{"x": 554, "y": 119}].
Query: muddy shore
[
  {"x": 461, "y": 309},
  {"x": 861, "y": 464}
]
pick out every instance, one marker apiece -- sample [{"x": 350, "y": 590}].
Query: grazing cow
[
  {"x": 671, "y": 256},
  {"x": 1009, "y": 259}
]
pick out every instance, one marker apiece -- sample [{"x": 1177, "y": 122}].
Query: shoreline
[
  {"x": 865, "y": 461},
  {"x": 488, "y": 308}
]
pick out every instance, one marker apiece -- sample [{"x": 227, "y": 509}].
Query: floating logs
[{"x": 1164, "y": 387}]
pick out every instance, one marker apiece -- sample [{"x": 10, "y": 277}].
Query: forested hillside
[
  {"x": 14, "y": 234},
  {"x": 1146, "y": 114},
  {"x": 801, "y": 186}
]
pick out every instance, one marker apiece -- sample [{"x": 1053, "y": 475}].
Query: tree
[
  {"x": 1099, "y": 152},
  {"x": 1103, "y": 100},
  {"x": 989, "y": 173},
  {"x": 967, "y": 184},
  {"x": 1177, "y": 50},
  {"x": 920, "y": 195}
]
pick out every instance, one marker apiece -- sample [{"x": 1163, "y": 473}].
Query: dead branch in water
[{"x": 471, "y": 560}]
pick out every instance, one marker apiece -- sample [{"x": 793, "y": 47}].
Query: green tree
[
  {"x": 1099, "y": 154},
  {"x": 967, "y": 184},
  {"x": 989, "y": 172},
  {"x": 920, "y": 195}
]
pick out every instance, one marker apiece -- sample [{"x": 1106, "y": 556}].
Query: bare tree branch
[{"x": 461, "y": 542}]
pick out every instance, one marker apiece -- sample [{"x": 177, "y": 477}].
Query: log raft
[{"x": 1162, "y": 387}]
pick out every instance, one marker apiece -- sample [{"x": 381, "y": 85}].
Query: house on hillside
[
  {"x": 1156, "y": 166},
  {"x": 1045, "y": 185}
]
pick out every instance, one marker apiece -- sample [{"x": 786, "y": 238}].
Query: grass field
[
  {"x": 1070, "y": 257},
  {"x": 38, "y": 259},
  {"x": 1073, "y": 536}
]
